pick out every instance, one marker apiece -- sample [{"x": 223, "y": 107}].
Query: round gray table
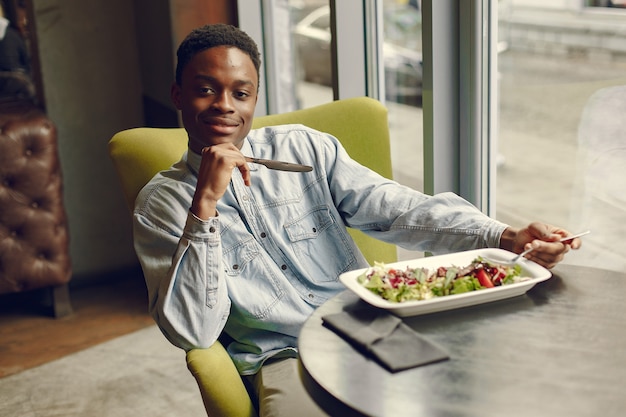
[{"x": 558, "y": 350}]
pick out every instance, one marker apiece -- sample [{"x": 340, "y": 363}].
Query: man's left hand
[{"x": 544, "y": 238}]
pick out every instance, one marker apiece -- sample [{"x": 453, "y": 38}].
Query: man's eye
[
  {"x": 241, "y": 94},
  {"x": 206, "y": 90}
]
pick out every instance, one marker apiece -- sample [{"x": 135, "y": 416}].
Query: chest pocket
[
  {"x": 252, "y": 288},
  {"x": 321, "y": 245}
]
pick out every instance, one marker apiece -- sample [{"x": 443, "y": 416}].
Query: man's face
[{"x": 217, "y": 97}]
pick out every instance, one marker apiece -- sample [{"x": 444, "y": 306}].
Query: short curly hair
[{"x": 210, "y": 36}]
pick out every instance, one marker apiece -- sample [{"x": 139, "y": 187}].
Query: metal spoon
[{"x": 527, "y": 251}]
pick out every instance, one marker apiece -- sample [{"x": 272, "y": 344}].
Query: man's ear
[{"x": 175, "y": 95}]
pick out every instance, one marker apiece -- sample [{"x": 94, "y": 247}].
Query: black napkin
[{"x": 380, "y": 334}]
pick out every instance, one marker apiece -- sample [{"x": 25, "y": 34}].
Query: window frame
[{"x": 459, "y": 91}]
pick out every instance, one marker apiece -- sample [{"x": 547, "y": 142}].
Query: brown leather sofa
[{"x": 34, "y": 238}]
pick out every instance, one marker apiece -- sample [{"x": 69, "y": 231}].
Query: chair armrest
[{"x": 221, "y": 387}]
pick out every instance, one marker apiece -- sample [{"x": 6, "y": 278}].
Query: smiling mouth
[
  {"x": 221, "y": 126},
  {"x": 221, "y": 122}
]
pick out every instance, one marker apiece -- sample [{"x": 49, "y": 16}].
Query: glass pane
[
  {"x": 402, "y": 56},
  {"x": 562, "y": 136},
  {"x": 312, "y": 51},
  {"x": 620, "y": 4}
]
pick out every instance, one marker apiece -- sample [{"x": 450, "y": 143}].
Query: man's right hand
[{"x": 216, "y": 168}]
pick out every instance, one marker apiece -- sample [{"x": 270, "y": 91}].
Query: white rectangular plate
[{"x": 530, "y": 269}]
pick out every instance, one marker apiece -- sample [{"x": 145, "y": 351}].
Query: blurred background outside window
[
  {"x": 562, "y": 134},
  {"x": 402, "y": 59},
  {"x": 561, "y": 137}
]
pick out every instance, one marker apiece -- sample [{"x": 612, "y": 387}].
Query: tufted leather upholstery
[{"x": 34, "y": 237}]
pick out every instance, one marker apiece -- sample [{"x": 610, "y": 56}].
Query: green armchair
[{"x": 138, "y": 154}]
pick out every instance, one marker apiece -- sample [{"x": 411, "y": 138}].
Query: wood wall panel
[{"x": 190, "y": 14}]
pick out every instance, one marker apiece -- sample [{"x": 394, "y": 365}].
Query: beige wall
[
  {"x": 92, "y": 87},
  {"x": 102, "y": 60}
]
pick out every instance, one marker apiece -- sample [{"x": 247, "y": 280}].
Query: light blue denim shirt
[{"x": 276, "y": 248}]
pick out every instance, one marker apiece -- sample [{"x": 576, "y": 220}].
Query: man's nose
[{"x": 223, "y": 101}]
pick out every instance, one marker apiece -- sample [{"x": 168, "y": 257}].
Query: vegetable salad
[{"x": 397, "y": 285}]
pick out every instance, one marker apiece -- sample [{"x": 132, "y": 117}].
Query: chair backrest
[{"x": 359, "y": 123}]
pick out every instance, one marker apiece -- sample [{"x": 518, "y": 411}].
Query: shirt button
[
  {"x": 283, "y": 267},
  {"x": 314, "y": 230},
  {"x": 311, "y": 296},
  {"x": 245, "y": 197},
  {"x": 212, "y": 229},
  {"x": 235, "y": 266},
  {"x": 263, "y": 235}
]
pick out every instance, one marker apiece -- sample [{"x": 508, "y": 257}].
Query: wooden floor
[{"x": 30, "y": 336}]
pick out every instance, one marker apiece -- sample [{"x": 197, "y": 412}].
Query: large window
[
  {"x": 312, "y": 51},
  {"x": 389, "y": 36},
  {"x": 562, "y": 135},
  {"x": 514, "y": 104}
]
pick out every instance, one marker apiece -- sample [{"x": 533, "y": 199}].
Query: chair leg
[{"x": 61, "y": 305}]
